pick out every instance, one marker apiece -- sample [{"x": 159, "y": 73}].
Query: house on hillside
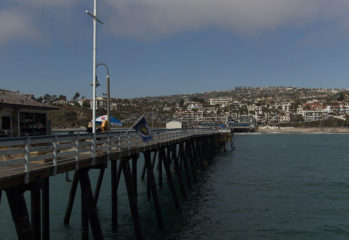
[{"x": 20, "y": 115}]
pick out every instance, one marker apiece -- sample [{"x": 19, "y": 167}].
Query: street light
[
  {"x": 108, "y": 92},
  {"x": 95, "y": 19}
]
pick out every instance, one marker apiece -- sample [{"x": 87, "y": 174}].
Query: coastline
[{"x": 305, "y": 130}]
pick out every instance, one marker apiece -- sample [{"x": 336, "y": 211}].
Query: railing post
[
  {"x": 26, "y": 160},
  {"x": 54, "y": 160},
  {"x": 77, "y": 152}
]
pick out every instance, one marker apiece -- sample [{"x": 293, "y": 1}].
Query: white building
[
  {"x": 223, "y": 101},
  {"x": 194, "y": 105},
  {"x": 285, "y": 107},
  {"x": 315, "y": 115}
]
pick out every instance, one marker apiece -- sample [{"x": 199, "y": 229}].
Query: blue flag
[{"x": 143, "y": 130}]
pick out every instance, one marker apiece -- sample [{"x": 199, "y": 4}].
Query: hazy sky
[{"x": 161, "y": 47}]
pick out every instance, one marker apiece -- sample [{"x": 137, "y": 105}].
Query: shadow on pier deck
[{"x": 28, "y": 163}]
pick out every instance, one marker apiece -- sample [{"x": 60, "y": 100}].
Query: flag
[{"x": 143, "y": 130}]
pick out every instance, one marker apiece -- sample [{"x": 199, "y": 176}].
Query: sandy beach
[{"x": 304, "y": 130}]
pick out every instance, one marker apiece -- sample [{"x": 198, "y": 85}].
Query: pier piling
[
  {"x": 45, "y": 197},
  {"x": 99, "y": 184},
  {"x": 87, "y": 196},
  {"x": 84, "y": 219},
  {"x": 159, "y": 168},
  {"x": 178, "y": 172},
  {"x": 71, "y": 199},
  {"x": 189, "y": 152},
  {"x": 132, "y": 198},
  {"x": 35, "y": 203},
  {"x": 19, "y": 213},
  {"x": 114, "y": 197},
  {"x": 153, "y": 188},
  {"x": 169, "y": 176}
]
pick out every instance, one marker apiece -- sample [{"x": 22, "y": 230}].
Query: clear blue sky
[{"x": 173, "y": 46}]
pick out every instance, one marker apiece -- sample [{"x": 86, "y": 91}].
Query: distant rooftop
[{"x": 17, "y": 99}]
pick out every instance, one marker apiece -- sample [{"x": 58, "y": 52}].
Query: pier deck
[{"x": 28, "y": 163}]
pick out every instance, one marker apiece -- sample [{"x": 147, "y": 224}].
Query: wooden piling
[
  {"x": 164, "y": 158},
  {"x": 159, "y": 168},
  {"x": 169, "y": 154},
  {"x": 186, "y": 168},
  {"x": 84, "y": 219},
  {"x": 134, "y": 173},
  {"x": 201, "y": 152},
  {"x": 195, "y": 155},
  {"x": 154, "y": 192},
  {"x": 132, "y": 197},
  {"x": 145, "y": 167},
  {"x": 143, "y": 171},
  {"x": 178, "y": 171},
  {"x": 45, "y": 209},
  {"x": 71, "y": 199},
  {"x": 87, "y": 195},
  {"x": 19, "y": 213},
  {"x": 98, "y": 185},
  {"x": 191, "y": 159},
  {"x": 152, "y": 167},
  {"x": 114, "y": 196},
  {"x": 35, "y": 203}
]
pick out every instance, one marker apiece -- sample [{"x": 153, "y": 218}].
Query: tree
[
  {"x": 40, "y": 99},
  {"x": 62, "y": 97},
  {"x": 76, "y": 96},
  {"x": 341, "y": 97},
  {"x": 47, "y": 98},
  {"x": 181, "y": 102},
  {"x": 86, "y": 104}
]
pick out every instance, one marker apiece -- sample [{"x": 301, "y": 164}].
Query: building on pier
[
  {"x": 173, "y": 124},
  {"x": 21, "y": 115}
]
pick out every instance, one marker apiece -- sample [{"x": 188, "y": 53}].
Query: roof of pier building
[{"x": 20, "y": 100}]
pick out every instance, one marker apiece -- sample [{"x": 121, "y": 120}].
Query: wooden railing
[{"x": 22, "y": 154}]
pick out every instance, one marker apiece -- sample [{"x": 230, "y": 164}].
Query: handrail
[{"x": 51, "y": 150}]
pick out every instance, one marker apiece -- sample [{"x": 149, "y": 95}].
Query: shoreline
[{"x": 305, "y": 130}]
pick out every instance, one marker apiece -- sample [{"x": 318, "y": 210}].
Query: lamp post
[
  {"x": 108, "y": 92},
  {"x": 95, "y": 19}
]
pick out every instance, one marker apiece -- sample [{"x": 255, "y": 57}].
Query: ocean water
[{"x": 274, "y": 186}]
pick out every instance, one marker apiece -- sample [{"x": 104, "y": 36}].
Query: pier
[{"x": 29, "y": 163}]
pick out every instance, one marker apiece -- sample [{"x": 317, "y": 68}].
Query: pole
[
  {"x": 108, "y": 92},
  {"x": 94, "y": 66},
  {"x": 108, "y": 102}
]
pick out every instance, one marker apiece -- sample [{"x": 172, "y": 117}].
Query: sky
[{"x": 163, "y": 47}]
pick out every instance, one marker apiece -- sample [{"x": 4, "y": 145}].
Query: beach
[{"x": 304, "y": 130}]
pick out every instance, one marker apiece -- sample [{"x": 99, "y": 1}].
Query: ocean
[{"x": 274, "y": 186}]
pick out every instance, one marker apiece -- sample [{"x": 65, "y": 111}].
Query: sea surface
[{"x": 274, "y": 186}]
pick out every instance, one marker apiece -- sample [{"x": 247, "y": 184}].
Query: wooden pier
[{"x": 26, "y": 164}]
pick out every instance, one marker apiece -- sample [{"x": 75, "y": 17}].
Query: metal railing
[{"x": 26, "y": 153}]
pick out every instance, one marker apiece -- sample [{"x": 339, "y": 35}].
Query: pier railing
[{"x": 26, "y": 153}]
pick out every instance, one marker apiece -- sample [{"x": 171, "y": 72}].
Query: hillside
[{"x": 69, "y": 116}]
